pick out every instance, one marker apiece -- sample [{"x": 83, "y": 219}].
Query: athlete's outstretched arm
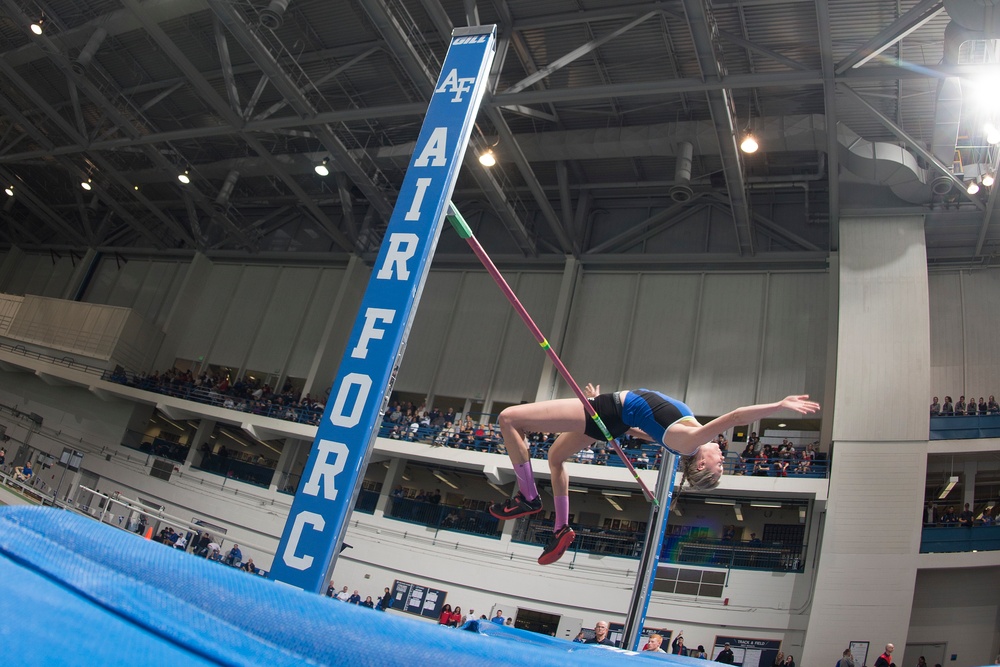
[{"x": 687, "y": 435}]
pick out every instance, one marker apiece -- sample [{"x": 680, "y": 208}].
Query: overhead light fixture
[
  {"x": 9, "y": 190},
  {"x": 617, "y": 494},
  {"x": 715, "y": 501},
  {"x": 36, "y": 27},
  {"x": 87, "y": 185},
  {"x": 973, "y": 188},
  {"x": 782, "y": 425},
  {"x": 992, "y": 134},
  {"x": 577, "y": 489},
  {"x": 613, "y": 503},
  {"x": 738, "y": 509},
  {"x": 765, "y": 503},
  {"x": 487, "y": 159},
  {"x": 440, "y": 476},
  {"x": 749, "y": 144},
  {"x": 322, "y": 169},
  {"x": 988, "y": 179},
  {"x": 802, "y": 515},
  {"x": 184, "y": 177},
  {"x": 952, "y": 481}
]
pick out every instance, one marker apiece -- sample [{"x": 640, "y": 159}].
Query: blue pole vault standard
[
  {"x": 659, "y": 513},
  {"x": 310, "y": 541}
]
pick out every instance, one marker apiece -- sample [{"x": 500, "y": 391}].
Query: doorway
[
  {"x": 933, "y": 653},
  {"x": 537, "y": 621}
]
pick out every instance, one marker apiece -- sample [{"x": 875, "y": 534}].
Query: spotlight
[
  {"x": 9, "y": 190},
  {"x": 749, "y": 144},
  {"x": 321, "y": 168},
  {"x": 87, "y": 185},
  {"x": 992, "y": 134},
  {"x": 973, "y": 188},
  {"x": 988, "y": 180},
  {"x": 184, "y": 177},
  {"x": 488, "y": 159},
  {"x": 37, "y": 27}
]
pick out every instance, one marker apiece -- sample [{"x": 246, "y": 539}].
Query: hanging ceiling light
[
  {"x": 36, "y": 27},
  {"x": 9, "y": 190},
  {"x": 488, "y": 159},
  {"x": 184, "y": 177},
  {"x": 973, "y": 188},
  {"x": 749, "y": 144},
  {"x": 992, "y": 134},
  {"x": 988, "y": 180},
  {"x": 87, "y": 185},
  {"x": 322, "y": 169}
]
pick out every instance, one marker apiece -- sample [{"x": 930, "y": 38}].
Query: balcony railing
[
  {"x": 444, "y": 517},
  {"x": 954, "y": 539}
]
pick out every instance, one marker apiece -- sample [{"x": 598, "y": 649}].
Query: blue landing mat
[{"x": 77, "y": 592}]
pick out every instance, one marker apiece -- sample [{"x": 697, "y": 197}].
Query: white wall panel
[
  {"x": 428, "y": 335},
  {"x": 305, "y": 341},
  {"x": 884, "y": 340},
  {"x": 209, "y": 312},
  {"x": 946, "y": 335},
  {"x": 661, "y": 337},
  {"x": 244, "y": 315},
  {"x": 41, "y": 275},
  {"x": 727, "y": 350},
  {"x": 981, "y": 307},
  {"x": 474, "y": 337},
  {"x": 521, "y": 358},
  {"x": 148, "y": 287},
  {"x": 599, "y": 320},
  {"x": 279, "y": 325},
  {"x": 795, "y": 336}
]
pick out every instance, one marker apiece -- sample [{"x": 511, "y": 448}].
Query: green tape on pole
[{"x": 458, "y": 222}]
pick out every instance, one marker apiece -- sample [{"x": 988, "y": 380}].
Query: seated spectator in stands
[
  {"x": 748, "y": 453},
  {"x": 23, "y": 473},
  {"x": 248, "y": 566},
  {"x": 451, "y": 520},
  {"x": 355, "y": 597},
  {"x": 601, "y": 453},
  {"x": 760, "y": 468},
  {"x": 947, "y": 409},
  {"x": 753, "y": 441},
  {"x": 960, "y": 407},
  {"x": 585, "y": 455},
  {"x": 642, "y": 461},
  {"x": 983, "y": 408},
  {"x": 456, "y": 617},
  {"x": 434, "y": 498},
  {"x": 786, "y": 450},
  {"x": 804, "y": 467},
  {"x": 767, "y": 453},
  {"x": 780, "y": 468},
  {"x": 949, "y": 516},
  {"x": 723, "y": 443},
  {"x": 445, "y": 615},
  {"x": 343, "y": 595},
  {"x": 935, "y": 407},
  {"x": 754, "y": 540},
  {"x": 180, "y": 543},
  {"x": 988, "y": 519},
  {"x": 421, "y": 496},
  {"x": 368, "y": 602},
  {"x": 653, "y": 645},
  {"x": 966, "y": 518},
  {"x": 810, "y": 451}
]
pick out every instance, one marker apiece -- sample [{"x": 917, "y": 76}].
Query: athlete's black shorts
[{"x": 609, "y": 409}]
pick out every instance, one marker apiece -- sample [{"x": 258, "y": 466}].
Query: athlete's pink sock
[
  {"x": 526, "y": 480},
  {"x": 562, "y": 512}
]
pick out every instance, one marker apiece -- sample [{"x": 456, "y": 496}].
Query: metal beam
[
  {"x": 575, "y": 54},
  {"x": 703, "y": 27},
  {"x": 654, "y": 224},
  {"x": 913, "y": 144},
  {"x": 892, "y": 33},
  {"x": 227, "y": 65},
  {"x": 830, "y": 108}
]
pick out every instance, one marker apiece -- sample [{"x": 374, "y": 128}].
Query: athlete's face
[{"x": 710, "y": 457}]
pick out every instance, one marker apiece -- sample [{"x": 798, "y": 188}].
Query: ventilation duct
[
  {"x": 221, "y": 202},
  {"x": 82, "y": 61},
  {"x": 272, "y": 17},
  {"x": 681, "y": 190}
]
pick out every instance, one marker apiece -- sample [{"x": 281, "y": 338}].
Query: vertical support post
[
  {"x": 656, "y": 528},
  {"x": 314, "y": 531}
]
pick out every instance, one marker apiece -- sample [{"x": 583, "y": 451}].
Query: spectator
[
  {"x": 967, "y": 518},
  {"x": 988, "y": 519},
  {"x": 355, "y": 597},
  {"x": 580, "y": 638},
  {"x": 653, "y": 645},
  {"x": 445, "y": 616},
  {"x": 935, "y": 407},
  {"x": 3, "y": 455},
  {"x": 700, "y": 653},
  {"x": 992, "y": 407},
  {"x": 885, "y": 660},
  {"x": 23, "y": 473},
  {"x": 847, "y": 660},
  {"x": 921, "y": 661},
  {"x": 677, "y": 647},
  {"x": 181, "y": 543},
  {"x": 343, "y": 595},
  {"x": 600, "y": 634},
  {"x": 726, "y": 656},
  {"x": 497, "y": 618},
  {"x": 983, "y": 407},
  {"x": 235, "y": 556},
  {"x": 510, "y": 621},
  {"x": 789, "y": 662},
  {"x": 947, "y": 409},
  {"x": 248, "y": 566},
  {"x": 434, "y": 498},
  {"x": 331, "y": 590},
  {"x": 779, "y": 660},
  {"x": 949, "y": 516},
  {"x": 960, "y": 406},
  {"x": 385, "y": 601},
  {"x": 455, "y": 619}
]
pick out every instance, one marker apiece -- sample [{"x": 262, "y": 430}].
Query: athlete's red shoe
[{"x": 557, "y": 546}]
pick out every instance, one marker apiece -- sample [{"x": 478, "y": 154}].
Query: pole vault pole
[
  {"x": 317, "y": 521},
  {"x": 464, "y": 231}
]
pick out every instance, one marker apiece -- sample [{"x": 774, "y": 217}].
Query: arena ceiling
[{"x": 591, "y": 104}]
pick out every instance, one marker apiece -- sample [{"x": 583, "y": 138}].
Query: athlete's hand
[
  {"x": 590, "y": 391},
  {"x": 800, "y": 404}
]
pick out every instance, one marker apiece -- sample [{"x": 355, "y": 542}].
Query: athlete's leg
[
  {"x": 565, "y": 446},
  {"x": 558, "y": 416}
]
